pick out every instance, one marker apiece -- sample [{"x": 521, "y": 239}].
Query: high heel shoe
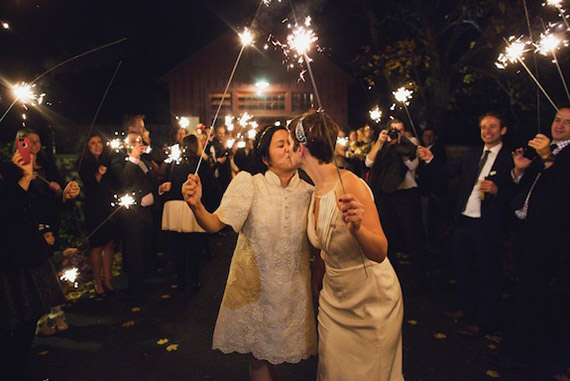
[
  {"x": 99, "y": 290},
  {"x": 109, "y": 291}
]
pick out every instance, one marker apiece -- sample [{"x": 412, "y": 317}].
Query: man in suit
[
  {"x": 392, "y": 180},
  {"x": 542, "y": 209},
  {"x": 220, "y": 157},
  {"x": 137, "y": 222},
  {"x": 482, "y": 219}
]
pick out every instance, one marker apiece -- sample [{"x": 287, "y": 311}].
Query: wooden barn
[{"x": 262, "y": 86}]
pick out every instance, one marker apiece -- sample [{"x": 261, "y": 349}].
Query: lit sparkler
[
  {"x": 183, "y": 122},
  {"x": 302, "y": 39},
  {"x": 115, "y": 144},
  {"x": 245, "y": 119},
  {"x": 246, "y": 37},
  {"x": 229, "y": 122},
  {"x": 251, "y": 134},
  {"x": 548, "y": 44},
  {"x": 5, "y": 25},
  {"x": 514, "y": 52},
  {"x": 125, "y": 201},
  {"x": 403, "y": 95},
  {"x": 230, "y": 143},
  {"x": 25, "y": 93},
  {"x": 70, "y": 275},
  {"x": 376, "y": 114},
  {"x": 561, "y": 11},
  {"x": 241, "y": 144},
  {"x": 342, "y": 141},
  {"x": 175, "y": 154}
]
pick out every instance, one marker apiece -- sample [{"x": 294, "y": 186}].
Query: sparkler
[
  {"x": 548, "y": 44},
  {"x": 24, "y": 92},
  {"x": 342, "y": 141},
  {"x": 97, "y": 114},
  {"x": 404, "y": 96},
  {"x": 302, "y": 39},
  {"x": 513, "y": 53},
  {"x": 183, "y": 122},
  {"x": 561, "y": 11},
  {"x": 5, "y": 25},
  {"x": 70, "y": 275},
  {"x": 175, "y": 155},
  {"x": 246, "y": 39},
  {"x": 125, "y": 201},
  {"x": 230, "y": 143},
  {"x": 376, "y": 114}
]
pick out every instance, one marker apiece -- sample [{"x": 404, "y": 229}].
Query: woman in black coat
[
  {"x": 188, "y": 239},
  {"x": 100, "y": 187}
]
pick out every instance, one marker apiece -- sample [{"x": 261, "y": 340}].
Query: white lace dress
[
  {"x": 360, "y": 311},
  {"x": 267, "y": 309}
]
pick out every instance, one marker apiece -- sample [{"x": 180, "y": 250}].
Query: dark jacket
[{"x": 389, "y": 170}]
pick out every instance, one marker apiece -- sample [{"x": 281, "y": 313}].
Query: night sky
[{"x": 160, "y": 35}]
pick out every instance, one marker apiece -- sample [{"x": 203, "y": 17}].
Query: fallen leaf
[
  {"x": 136, "y": 309},
  {"x": 440, "y": 336},
  {"x": 174, "y": 286},
  {"x": 165, "y": 296},
  {"x": 128, "y": 323},
  {"x": 43, "y": 353},
  {"x": 494, "y": 338},
  {"x": 492, "y": 347},
  {"x": 172, "y": 347},
  {"x": 561, "y": 377},
  {"x": 405, "y": 263},
  {"x": 492, "y": 373},
  {"x": 162, "y": 341},
  {"x": 412, "y": 322}
]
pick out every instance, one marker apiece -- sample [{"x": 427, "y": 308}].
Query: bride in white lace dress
[
  {"x": 360, "y": 303},
  {"x": 267, "y": 307}
]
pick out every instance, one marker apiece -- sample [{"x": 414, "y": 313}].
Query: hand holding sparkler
[
  {"x": 192, "y": 191},
  {"x": 164, "y": 187},
  {"x": 71, "y": 191},
  {"x": 404, "y": 96}
]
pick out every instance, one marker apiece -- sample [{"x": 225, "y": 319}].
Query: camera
[
  {"x": 529, "y": 152},
  {"x": 393, "y": 133}
]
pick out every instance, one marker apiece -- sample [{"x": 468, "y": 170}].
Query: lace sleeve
[{"x": 237, "y": 200}]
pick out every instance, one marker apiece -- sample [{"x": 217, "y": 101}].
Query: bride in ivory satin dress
[{"x": 360, "y": 303}]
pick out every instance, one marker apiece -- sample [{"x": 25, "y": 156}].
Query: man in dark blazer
[
  {"x": 542, "y": 209},
  {"x": 137, "y": 222},
  {"x": 482, "y": 220},
  {"x": 393, "y": 163}
]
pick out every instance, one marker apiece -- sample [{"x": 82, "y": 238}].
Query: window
[
  {"x": 216, "y": 98},
  {"x": 301, "y": 101},
  {"x": 261, "y": 102}
]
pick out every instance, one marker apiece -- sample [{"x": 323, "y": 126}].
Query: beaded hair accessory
[
  {"x": 300, "y": 132},
  {"x": 263, "y": 135}
]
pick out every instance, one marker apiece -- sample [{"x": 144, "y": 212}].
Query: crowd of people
[{"x": 320, "y": 220}]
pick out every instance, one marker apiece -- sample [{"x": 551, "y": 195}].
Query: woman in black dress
[
  {"x": 188, "y": 239},
  {"x": 100, "y": 187}
]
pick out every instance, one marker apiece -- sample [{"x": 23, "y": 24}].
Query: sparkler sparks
[
  {"x": 5, "y": 25},
  {"x": 246, "y": 37},
  {"x": 125, "y": 201},
  {"x": 549, "y": 43},
  {"x": 403, "y": 95},
  {"x": 375, "y": 114},
  {"x": 25, "y": 94},
  {"x": 342, "y": 141},
  {"x": 245, "y": 119},
  {"x": 513, "y": 52},
  {"x": 70, "y": 275},
  {"x": 183, "y": 122},
  {"x": 302, "y": 38},
  {"x": 175, "y": 154}
]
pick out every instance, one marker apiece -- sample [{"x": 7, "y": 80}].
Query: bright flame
[
  {"x": 230, "y": 143},
  {"x": 175, "y": 155},
  {"x": 241, "y": 144},
  {"x": 403, "y": 95},
  {"x": 342, "y": 141},
  {"x": 375, "y": 114},
  {"x": 115, "y": 144},
  {"x": 126, "y": 201},
  {"x": 246, "y": 37},
  {"x": 555, "y": 3},
  {"x": 5, "y": 25},
  {"x": 548, "y": 44},
  {"x": 70, "y": 275},
  {"x": 251, "y": 134},
  {"x": 302, "y": 38},
  {"x": 513, "y": 52},
  {"x": 25, "y": 94},
  {"x": 183, "y": 122},
  {"x": 229, "y": 122},
  {"x": 244, "y": 119}
]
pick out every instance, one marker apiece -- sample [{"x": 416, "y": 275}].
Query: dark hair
[
  {"x": 395, "y": 121},
  {"x": 25, "y": 131},
  {"x": 261, "y": 145},
  {"x": 494, "y": 115},
  {"x": 320, "y": 131},
  {"x": 88, "y": 155},
  {"x": 429, "y": 129},
  {"x": 129, "y": 120},
  {"x": 191, "y": 146}
]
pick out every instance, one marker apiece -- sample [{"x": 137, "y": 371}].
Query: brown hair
[{"x": 320, "y": 131}]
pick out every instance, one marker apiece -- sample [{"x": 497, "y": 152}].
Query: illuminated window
[
  {"x": 301, "y": 101},
  {"x": 266, "y": 101},
  {"x": 216, "y": 98}
]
